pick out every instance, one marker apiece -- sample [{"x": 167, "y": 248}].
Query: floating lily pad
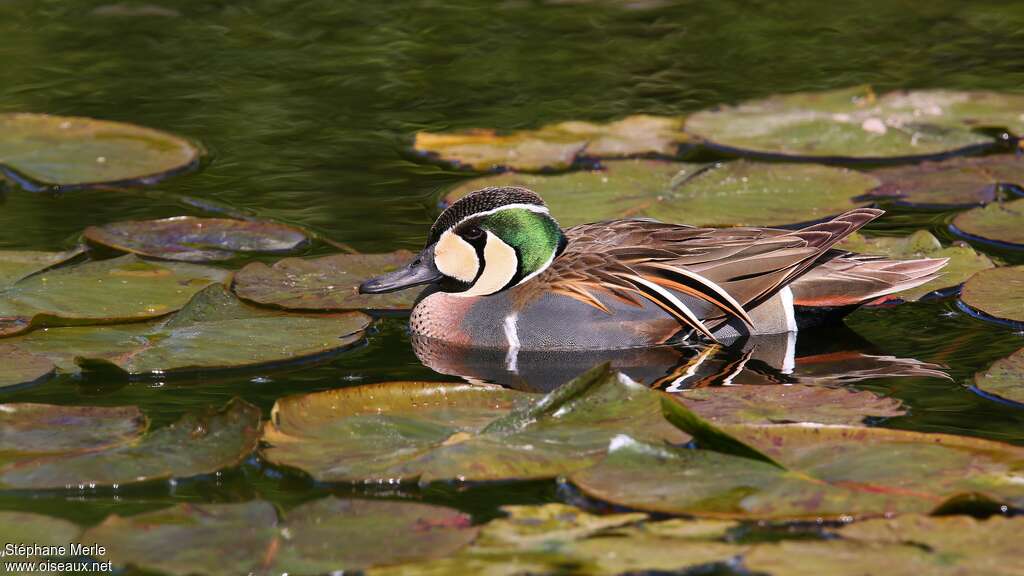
[
  {"x": 1005, "y": 378},
  {"x": 780, "y": 404},
  {"x": 71, "y": 152},
  {"x": 727, "y": 194},
  {"x": 996, "y": 294},
  {"x": 321, "y": 537},
  {"x": 17, "y": 264},
  {"x": 854, "y": 123},
  {"x": 427, "y": 431},
  {"x": 19, "y": 367},
  {"x": 326, "y": 283},
  {"x": 801, "y": 471},
  {"x": 124, "y": 289},
  {"x": 963, "y": 260},
  {"x": 1001, "y": 223},
  {"x": 556, "y": 146},
  {"x": 193, "y": 339},
  {"x": 191, "y": 239},
  {"x": 19, "y": 529},
  {"x": 34, "y": 429},
  {"x": 195, "y": 444},
  {"x": 952, "y": 182}
]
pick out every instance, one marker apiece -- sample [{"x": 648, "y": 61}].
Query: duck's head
[{"x": 486, "y": 242}]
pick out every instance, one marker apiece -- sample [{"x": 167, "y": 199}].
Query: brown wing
[{"x": 734, "y": 269}]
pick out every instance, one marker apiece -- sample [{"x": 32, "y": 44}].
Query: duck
[{"x": 500, "y": 273}]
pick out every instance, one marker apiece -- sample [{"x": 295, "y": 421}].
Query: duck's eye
[{"x": 472, "y": 233}]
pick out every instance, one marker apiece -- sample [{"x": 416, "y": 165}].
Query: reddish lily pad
[
  {"x": 34, "y": 429},
  {"x": 195, "y": 444},
  {"x": 856, "y": 124},
  {"x": 326, "y": 283},
  {"x": 20, "y": 367},
  {"x": 124, "y": 289},
  {"x": 953, "y": 182},
  {"x": 425, "y": 431},
  {"x": 1005, "y": 378},
  {"x": 801, "y": 471},
  {"x": 781, "y": 404},
  {"x": 556, "y": 146},
  {"x": 963, "y": 262},
  {"x": 727, "y": 194},
  {"x": 996, "y": 294},
  {"x": 320, "y": 537},
  {"x": 190, "y": 239},
  {"x": 1001, "y": 223},
  {"x": 71, "y": 152}
]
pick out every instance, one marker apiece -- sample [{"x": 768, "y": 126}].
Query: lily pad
[
  {"x": 71, "y": 152},
  {"x": 801, "y": 471},
  {"x": 996, "y": 294},
  {"x": 34, "y": 429},
  {"x": 999, "y": 223},
  {"x": 19, "y": 529},
  {"x": 124, "y": 289},
  {"x": 193, "y": 339},
  {"x": 854, "y": 123},
  {"x": 326, "y": 283},
  {"x": 190, "y": 239},
  {"x": 950, "y": 183},
  {"x": 736, "y": 193},
  {"x": 195, "y": 444},
  {"x": 963, "y": 260},
  {"x": 1005, "y": 378},
  {"x": 19, "y": 367},
  {"x": 17, "y": 264},
  {"x": 782, "y": 404},
  {"x": 408, "y": 431},
  {"x": 325, "y": 536},
  {"x": 556, "y": 146}
]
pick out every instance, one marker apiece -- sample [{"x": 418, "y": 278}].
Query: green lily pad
[
  {"x": 999, "y": 223},
  {"x": 736, "y": 193},
  {"x": 953, "y": 182},
  {"x": 195, "y": 444},
  {"x": 193, "y": 339},
  {"x": 556, "y": 146},
  {"x": 326, "y": 283},
  {"x": 19, "y": 367},
  {"x": 320, "y": 537},
  {"x": 996, "y": 294},
  {"x": 854, "y": 123},
  {"x": 33, "y": 429},
  {"x": 19, "y": 529},
  {"x": 411, "y": 431},
  {"x": 1005, "y": 378},
  {"x": 124, "y": 289},
  {"x": 17, "y": 264},
  {"x": 963, "y": 260},
  {"x": 190, "y": 239},
  {"x": 801, "y": 471},
  {"x": 72, "y": 152},
  {"x": 781, "y": 404}
]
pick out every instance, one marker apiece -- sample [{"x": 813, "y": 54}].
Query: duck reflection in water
[{"x": 839, "y": 356}]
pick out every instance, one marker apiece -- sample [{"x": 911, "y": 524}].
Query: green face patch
[{"x": 535, "y": 236}]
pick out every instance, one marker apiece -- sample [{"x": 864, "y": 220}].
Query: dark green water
[{"x": 307, "y": 110}]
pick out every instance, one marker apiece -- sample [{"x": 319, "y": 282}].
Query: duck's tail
[{"x": 849, "y": 279}]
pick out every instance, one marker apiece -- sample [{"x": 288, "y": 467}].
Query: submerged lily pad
[
  {"x": 1001, "y": 223},
  {"x": 426, "y": 431},
  {"x": 195, "y": 444},
  {"x": 800, "y": 471},
  {"x": 779, "y": 404},
  {"x": 727, "y": 194},
  {"x": 194, "y": 339},
  {"x": 191, "y": 239},
  {"x": 964, "y": 261},
  {"x": 996, "y": 294},
  {"x": 71, "y": 152},
  {"x": 20, "y": 367},
  {"x": 952, "y": 182},
  {"x": 320, "y": 537},
  {"x": 124, "y": 289},
  {"x": 854, "y": 123},
  {"x": 326, "y": 283},
  {"x": 556, "y": 146},
  {"x": 1005, "y": 378}
]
